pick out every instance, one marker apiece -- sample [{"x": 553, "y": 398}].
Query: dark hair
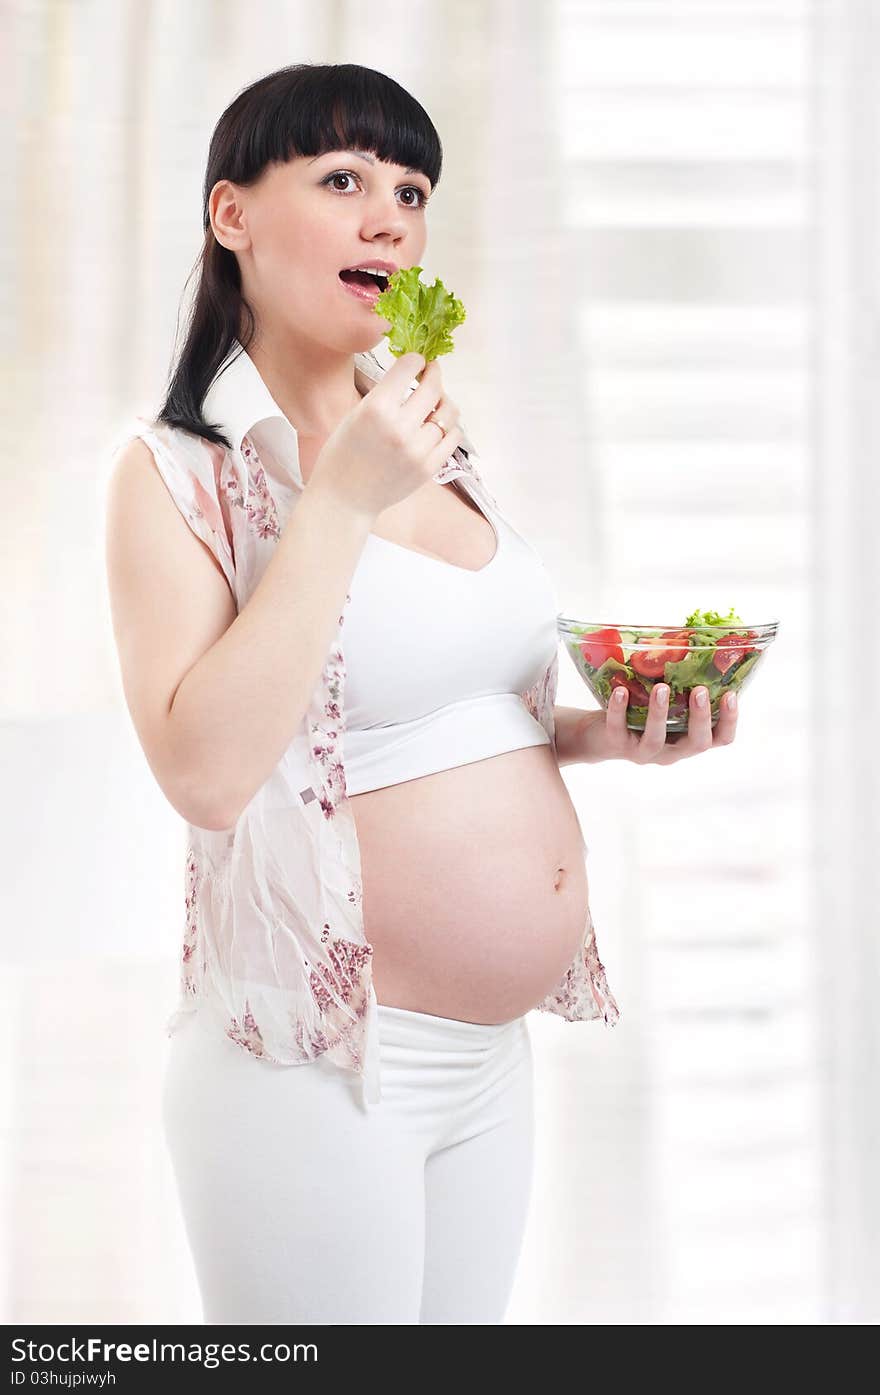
[{"x": 305, "y": 109}]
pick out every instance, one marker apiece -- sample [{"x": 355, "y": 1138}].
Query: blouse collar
[{"x": 238, "y": 400}]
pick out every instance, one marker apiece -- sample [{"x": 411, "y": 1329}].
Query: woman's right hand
[{"x": 385, "y": 448}]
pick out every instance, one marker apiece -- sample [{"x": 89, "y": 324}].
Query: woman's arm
[{"x": 571, "y": 727}]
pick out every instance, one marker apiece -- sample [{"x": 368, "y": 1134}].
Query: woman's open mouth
[{"x": 366, "y": 285}]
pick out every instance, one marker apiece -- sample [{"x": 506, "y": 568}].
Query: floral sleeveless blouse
[{"x": 273, "y": 933}]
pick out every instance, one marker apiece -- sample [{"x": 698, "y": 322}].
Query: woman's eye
[{"x": 408, "y": 189}]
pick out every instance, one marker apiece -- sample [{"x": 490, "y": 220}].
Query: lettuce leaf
[
  {"x": 422, "y": 317},
  {"x": 695, "y": 670},
  {"x": 698, "y": 618}
]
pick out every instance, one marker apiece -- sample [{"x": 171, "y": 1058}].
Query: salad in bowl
[{"x": 717, "y": 652}]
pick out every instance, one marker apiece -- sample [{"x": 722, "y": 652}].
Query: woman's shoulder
[{"x": 198, "y": 474}]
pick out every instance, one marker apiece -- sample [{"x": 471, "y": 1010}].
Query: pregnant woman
[{"x": 342, "y": 676}]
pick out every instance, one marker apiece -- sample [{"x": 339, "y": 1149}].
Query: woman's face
[{"x": 302, "y": 223}]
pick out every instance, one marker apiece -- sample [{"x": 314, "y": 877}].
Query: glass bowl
[{"x": 721, "y": 658}]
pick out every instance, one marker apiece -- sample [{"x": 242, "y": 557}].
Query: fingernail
[
  {"x": 619, "y": 695},
  {"x": 662, "y": 692},
  {"x": 731, "y": 702},
  {"x": 701, "y": 697}
]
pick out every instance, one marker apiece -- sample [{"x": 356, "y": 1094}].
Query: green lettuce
[
  {"x": 694, "y": 670},
  {"x": 700, "y": 636},
  {"x": 698, "y": 618},
  {"x": 422, "y": 317}
]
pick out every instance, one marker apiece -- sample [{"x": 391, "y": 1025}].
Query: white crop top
[{"x": 437, "y": 656}]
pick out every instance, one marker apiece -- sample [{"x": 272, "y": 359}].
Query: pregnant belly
[{"x": 475, "y": 889}]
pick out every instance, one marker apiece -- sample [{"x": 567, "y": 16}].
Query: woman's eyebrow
[{"x": 361, "y": 155}]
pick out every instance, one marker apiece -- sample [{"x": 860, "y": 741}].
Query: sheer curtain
[{"x": 662, "y": 222}]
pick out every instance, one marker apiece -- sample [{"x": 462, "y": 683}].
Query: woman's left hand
[{"x": 607, "y": 737}]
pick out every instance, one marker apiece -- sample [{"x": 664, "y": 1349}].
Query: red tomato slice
[
  {"x": 638, "y": 696},
  {"x": 600, "y": 645},
  {"x": 651, "y": 663},
  {"x": 677, "y": 645},
  {"x": 729, "y": 650}
]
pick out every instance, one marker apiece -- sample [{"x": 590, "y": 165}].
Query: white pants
[{"x": 300, "y": 1206}]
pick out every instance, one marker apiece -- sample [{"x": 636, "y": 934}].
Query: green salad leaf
[
  {"x": 695, "y": 670},
  {"x": 422, "y": 317},
  {"x": 703, "y": 637},
  {"x": 713, "y": 617}
]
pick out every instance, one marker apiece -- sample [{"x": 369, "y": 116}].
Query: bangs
[
  {"x": 310, "y": 109},
  {"x": 369, "y": 111}
]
